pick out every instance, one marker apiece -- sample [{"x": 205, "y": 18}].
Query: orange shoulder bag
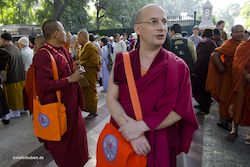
[
  {"x": 50, "y": 120},
  {"x": 112, "y": 149}
]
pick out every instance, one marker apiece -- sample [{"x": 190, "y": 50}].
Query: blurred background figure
[
  {"x": 220, "y": 25},
  {"x": 184, "y": 34},
  {"x": 120, "y": 45},
  {"x": 67, "y": 43},
  {"x": 73, "y": 46},
  {"x": 217, "y": 37},
  {"x": 246, "y": 36},
  {"x": 105, "y": 61},
  {"x": 26, "y": 53},
  {"x": 14, "y": 84}
]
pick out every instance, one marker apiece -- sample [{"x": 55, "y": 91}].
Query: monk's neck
[
  {"x": 148, "y": 53},
  {"x": 54, "y": 43}
]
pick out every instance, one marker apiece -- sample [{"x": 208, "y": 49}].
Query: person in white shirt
[
  {"x": 119, "y": 46},
  {"x": 26, "y": 53}
]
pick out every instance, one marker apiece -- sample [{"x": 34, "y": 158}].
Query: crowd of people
[{"x": 210, "y": 67}]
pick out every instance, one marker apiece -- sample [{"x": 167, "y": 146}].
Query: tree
[
  {"x": 109, "y": 13},
  {"x": 174, "y": 7},
  {"x": 75, "y": 13},
  {"x": 245, "y": 12},
  {"x": 17, "y": 11},
  {"x": 59, "y": 7},
  {"x": 228, "y": 14}
]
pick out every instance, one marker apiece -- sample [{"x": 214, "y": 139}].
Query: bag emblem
[
  {"x": 43, "y": 120},
  {"x": 110, "y": 146}
]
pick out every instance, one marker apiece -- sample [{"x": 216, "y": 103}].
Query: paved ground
[
  {"x": 217, "y": 152},
  {"x": 208, "y": 149}
]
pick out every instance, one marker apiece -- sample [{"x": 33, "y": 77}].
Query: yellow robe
[{"x": 90, "y": 60}]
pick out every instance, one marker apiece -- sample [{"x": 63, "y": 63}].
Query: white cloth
[
  {"x": 27, "y": 56},
  {"x": 119, "y": 47}
]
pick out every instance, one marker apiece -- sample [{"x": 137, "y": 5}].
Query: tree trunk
[
  {"x": 97, "y": 20},
  {"x": 59, "y": 8}
]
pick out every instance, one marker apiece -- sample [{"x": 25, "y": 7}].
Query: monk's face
[
  {"x": 152, "y": 27},
  {"x": 60, "y": 33},
  {"x": 238, "y": 33}
]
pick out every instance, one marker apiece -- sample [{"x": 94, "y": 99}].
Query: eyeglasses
[{"x": 155, "y": 22}]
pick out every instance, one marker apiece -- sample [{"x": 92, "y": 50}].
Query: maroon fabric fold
[{"x": 164, "y": 88}]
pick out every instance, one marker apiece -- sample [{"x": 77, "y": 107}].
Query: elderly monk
[
  {"x": 72, "y": 150},
  {"x": 240, "y": 94},
  {"x": 164, "y": 90},
  {"x": 219, "y": 78},
  {"x": 87, "y": 56}
]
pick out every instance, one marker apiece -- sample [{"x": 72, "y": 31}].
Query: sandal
[
  {"x": 91, "y": 115},
  {"x": 224, "y": 126},
  {"x": 248, "y": 137},
  {"x": 231, "y": 137}
]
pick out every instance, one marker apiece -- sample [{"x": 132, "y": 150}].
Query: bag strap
[
  {"x": 55, "y": 75},
  {"x": 131, "y": 85}
]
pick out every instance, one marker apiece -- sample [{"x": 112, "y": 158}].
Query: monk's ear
[{"x": 137, "y": 29}]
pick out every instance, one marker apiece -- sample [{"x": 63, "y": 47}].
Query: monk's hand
[
  {"x": 76, "y": 76},
  {"x": 248, "y": 77},
  {"x": 132, "y": 129},
  {"x": 141, "y": 145}
]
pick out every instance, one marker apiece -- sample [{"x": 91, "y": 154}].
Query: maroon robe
[
  {"x": 72, "y": 150},
  {"x": 164, "y": 88},
  {"x": 204, "y": 49}
]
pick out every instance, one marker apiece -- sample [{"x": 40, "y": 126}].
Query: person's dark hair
[
  {"x": 208, "y": 33},
  {"x": 237, "y": 25},
  {"x": 125, "y": 34},
  {"x": 177, "y": 28},
  {"x": 49, "y": 27},
  {"x": 91, "y": 37},
  {"x": 104, "y": 40},
  {"x": 116, "y": 35},
  {"x": 219, "y": 23},
  {"x": 216, "y": 31},
  {"x": 246, "y": 32},
  {"x": 184, "y": 33}
]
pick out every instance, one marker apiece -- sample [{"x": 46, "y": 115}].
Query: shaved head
[
  {"x": 40, "y": 39},
  {"x": 234, "y": 27},
  {"x": 83, "y": 33},
  {"x": 49, "y": 27},
  {"x": 139, "y": 15}
]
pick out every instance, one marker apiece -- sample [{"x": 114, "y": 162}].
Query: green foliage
[
  {"x": 109, "y": 13},
  {"x": 228, "y": 14},
  {"x": 44, "y": 12},
  {"x": 245, "y": 12},
  {"x": 198, "y": 19},
  {"x": 17, "y": 11}
]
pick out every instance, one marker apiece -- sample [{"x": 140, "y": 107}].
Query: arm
[
  {"x": 192, "y": 50},
  {"x": 216, "y": 59},
  {"x": 44, "y": 74},
  {"x": 140, "y": 145},
  {"x": 113, "y": 105}
]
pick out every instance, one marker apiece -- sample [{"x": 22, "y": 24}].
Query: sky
[{"x": 220, "y": 4}]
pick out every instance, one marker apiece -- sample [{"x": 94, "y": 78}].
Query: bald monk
[
  {"x": 219, "y": 78},
  {"x": 72, "y": 150},
  {"x": 87, "y": 56},
  {"x": 164, "y": 90},
  {"x": 240, "y": 94}
]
